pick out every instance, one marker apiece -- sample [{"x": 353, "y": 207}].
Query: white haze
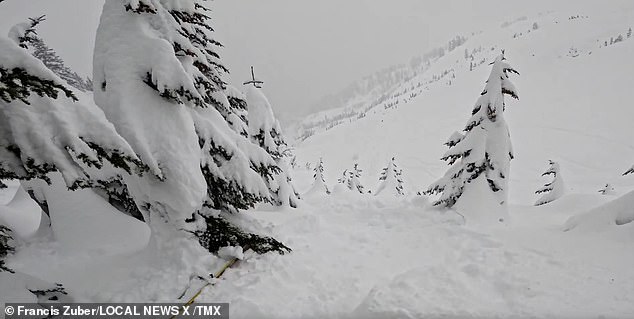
[{"x": 302, "y": 49}]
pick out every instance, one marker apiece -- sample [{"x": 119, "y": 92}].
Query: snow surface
[{"x": 364, "y": 256}]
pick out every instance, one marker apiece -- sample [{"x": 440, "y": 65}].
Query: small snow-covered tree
[
  {"x": 391, "y": 180},
  {"x": 535, "y": 26},
  {"x": 618, "y": 39},
  {"x": 553, "y": 190},
  {"x": 293, "y": 162},
  {"x": 354, "y": 182},
  {"x": 344, "y": 178},
  {"x": 265, "y": 131},
  {"x": 319, "y": 185},
  {"x": 608, "y": 189},
  {"x": 484, "y": 150},
  {"x": 629, "y": 33}
]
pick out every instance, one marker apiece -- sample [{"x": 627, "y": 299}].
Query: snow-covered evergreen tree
[
  {"x": 354, "y": 182},
  {"x": 26, "y": 35},
  {"x": 293, "y": 162},
  {"x": 319, "y": 185},
  {"x": 391, "y": 180},
  {"x": 344, "y": 178},
  {"x": 239, "y": 111},
  {"x": 265, "y": 131},
  {"x": 72, "y": 137},
  {"x": 553, "y": 190},
  {"x": 157, "y": 78},
  {"x": 52, "y": 61},
  {"x": 484, "y": 151},
  {"x": 5, "y": 247}
]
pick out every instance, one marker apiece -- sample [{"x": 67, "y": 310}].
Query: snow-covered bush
[
  {"x": 553, "y": 190},
  {"x": 391, "y": 180},
  {"x": 484, "y": 151},
  {"x": 616, "y": 213}
]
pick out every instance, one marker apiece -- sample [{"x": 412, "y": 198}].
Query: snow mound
[
  {"x": 618, "y": 213},
  {"x": 21, "y": 215}
]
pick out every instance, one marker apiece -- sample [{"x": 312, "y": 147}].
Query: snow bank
[
  {"x": 22, "y": 215},
  {"x": 614, "y": 216}
]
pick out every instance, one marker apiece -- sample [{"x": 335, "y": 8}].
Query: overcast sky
[{"x": 301, "y": 49}]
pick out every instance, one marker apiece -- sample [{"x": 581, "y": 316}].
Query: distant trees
[
  {"x": 553, "y": 190},
  {"x": 535, "y": 26},
  {"x": 484, "y": 151}
]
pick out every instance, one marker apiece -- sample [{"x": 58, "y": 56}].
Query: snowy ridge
[{"x": 540, "y": 123}]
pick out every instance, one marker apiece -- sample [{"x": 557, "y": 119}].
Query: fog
[{"x": 301, "y": 49}]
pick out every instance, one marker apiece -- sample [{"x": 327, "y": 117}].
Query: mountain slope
[{"x": 573, "y": 97}]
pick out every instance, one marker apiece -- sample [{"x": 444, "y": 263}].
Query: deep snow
[{"x": 363, "y": 256}]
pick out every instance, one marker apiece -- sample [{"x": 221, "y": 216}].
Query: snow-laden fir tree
[
  {"x": 391, "y": 180},
  {"x": 238, "y": 120},
  {"x": 157, "y": 78},
  {"x": 482, "y": 154},
  {"x": 553, "y": 190},
  {"x": 44, "y": 128},
  {"x": 319, "y": 184},
  {"x": 87, "y": 138},
  {"x": 608, "y": 189},
  {"x": 49, "y": 136},
  {"x": 265, "y": 131},
  {"x": 354, "y": 182},
  {"x": 54, "y": 62}
]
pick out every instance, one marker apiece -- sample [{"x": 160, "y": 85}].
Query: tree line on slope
[{"x": 479, "y": 157}]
